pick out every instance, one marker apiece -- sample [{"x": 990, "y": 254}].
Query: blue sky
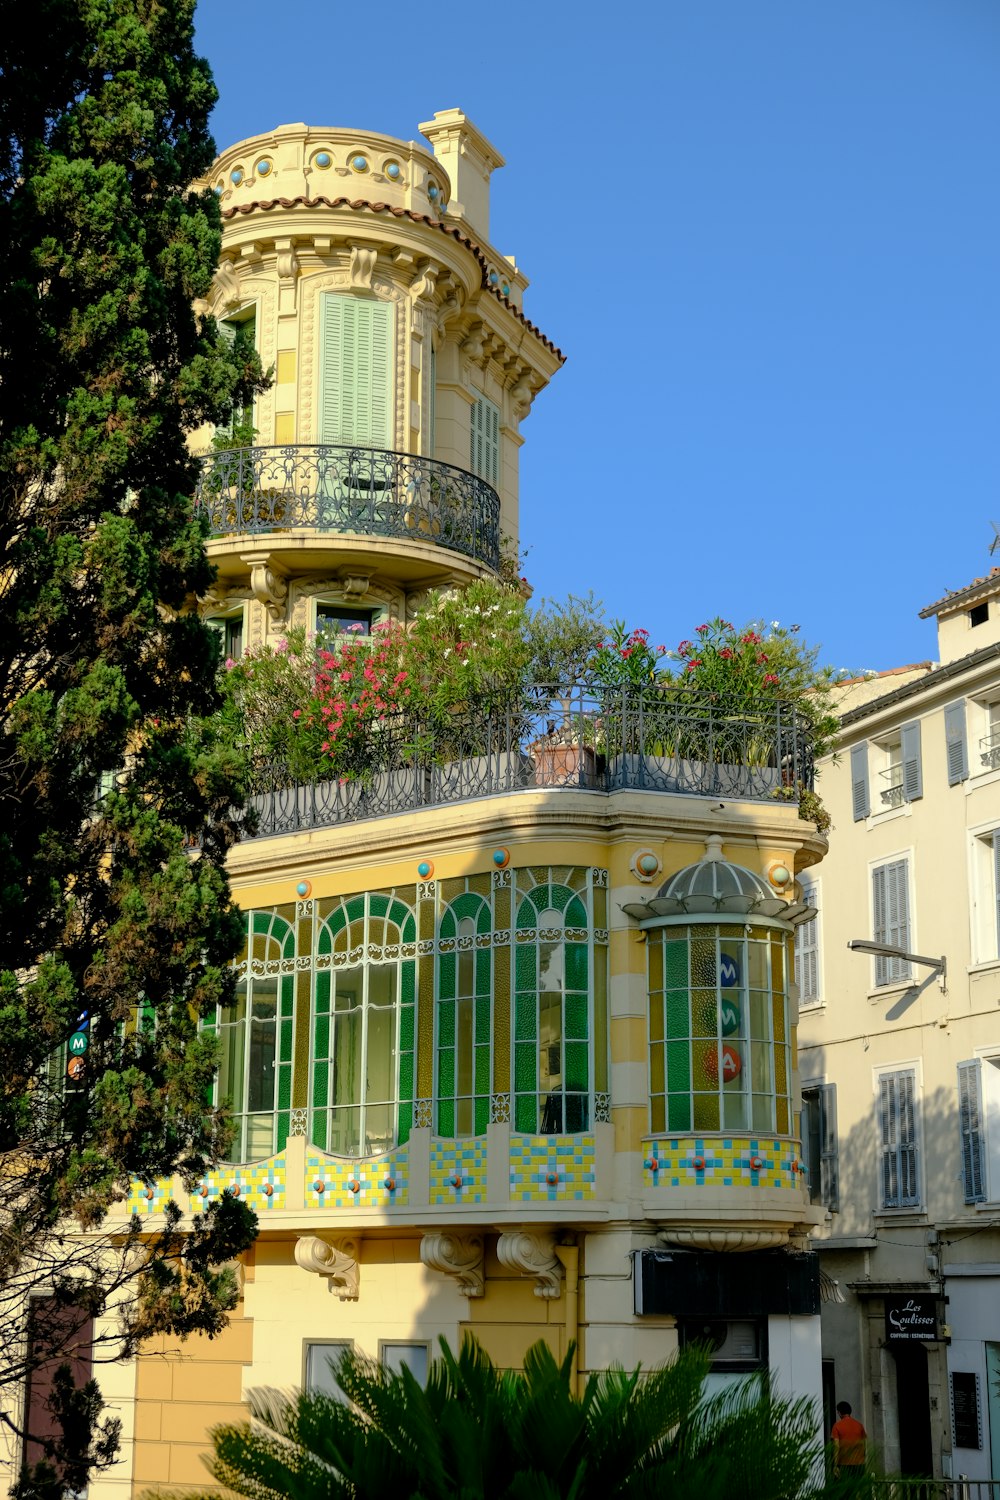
[{"x": 767, "y": 235}]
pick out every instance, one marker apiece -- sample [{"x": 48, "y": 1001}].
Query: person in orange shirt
[{"x": 849, "y": 1441}]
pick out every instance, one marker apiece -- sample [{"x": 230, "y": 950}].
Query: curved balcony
[
  {"x": 550, "y": 739},
  {"x": 349, "y": 491}
]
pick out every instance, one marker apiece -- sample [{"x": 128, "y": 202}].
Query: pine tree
[{"x": 116, "y": 794}]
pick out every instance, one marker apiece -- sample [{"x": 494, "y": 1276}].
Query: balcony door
[{"x": 355, "y": 398}]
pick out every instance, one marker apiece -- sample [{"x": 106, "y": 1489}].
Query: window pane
[
  {"x": 412, "y": 1357},
  {"x": 319, "y": 1376}
]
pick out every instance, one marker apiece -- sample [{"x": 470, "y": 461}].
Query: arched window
[
  {"x": 255, "y": 1034},
  {"x": 464, "y": 1017},
  {"x": 362, "y": 1062},
  {"x": 551, "y": 1011},
  {"x": 718, "y": 1027}
]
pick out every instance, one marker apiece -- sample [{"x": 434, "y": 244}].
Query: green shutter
[
  {"x": 355, "y": 402},
  {"x": 484, "y": 451}
]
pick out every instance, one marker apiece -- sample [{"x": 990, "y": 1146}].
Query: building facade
[
  {"x": 514, "y": 1045},
  {"x": 900, "y": 1058}
]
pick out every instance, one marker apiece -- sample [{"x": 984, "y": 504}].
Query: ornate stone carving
[
  {"x": 336, "y": 1259},
  {"x": 362, "y": 268},
  {"x": 426, "y": 281},
  {"x": 473, "y": 343},
  {"x": 355, "y": 584},
  {"x": 458, "y": 1255},
  {"x": 532, "y": 1253},
  {"x": 286, "y": 260},
  {"x": 270, "y": 587},
  {"x": 227, "y": 285},
  {"x": 724, "y": 1239}
]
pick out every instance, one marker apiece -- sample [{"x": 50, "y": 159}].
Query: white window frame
[
  {"x": 230, "y": 324},
  {"x": 888, "y": 773},
  {"x": 986, "y": 1127},
  {"x": 890, "y": 972},
  {"x": 901, "y": 1201},
  {"x": 983, "y": 727},
  {"x": 984, "y": 890},
  {"x": 811, "y": 896}
]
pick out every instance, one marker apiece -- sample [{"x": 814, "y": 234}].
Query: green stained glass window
[
  {"x": 726, "y": 1054},
  {"x": 463, "y": 1015}
]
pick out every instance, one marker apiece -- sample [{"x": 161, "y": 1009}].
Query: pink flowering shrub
[{"x": 625, "y": 659}]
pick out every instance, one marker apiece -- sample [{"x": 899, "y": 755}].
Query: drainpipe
[{"x": 569, "y": 1258}]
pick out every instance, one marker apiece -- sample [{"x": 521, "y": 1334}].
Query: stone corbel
[
  {"x": 532, "y": 1253},
  {"x": 472, "y": 344},
  {"x": 458, "y": 1255},
  {"x": 335, "y": 1259},
  {"x": 268, "y": 582},
  {"x": 425, "y": 283},
  {"x": 287, "y": 265},
  {"x": 521, "y": 397},
  {"x": 354, "y": 583},
  {"x": 227, "y": 284},
  {"x": 362, "y": 268}
]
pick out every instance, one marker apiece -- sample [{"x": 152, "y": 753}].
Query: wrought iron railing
[
  {"x": 989, "y": 750},
  {"x": 364, "y": 491},
  {"x": 930, "y": 1489},
  {"x": 575, "y": 737},
  {"x": 892, "y": 793}
]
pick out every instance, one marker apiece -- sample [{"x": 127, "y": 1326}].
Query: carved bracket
[
  {"x": 458, "y": 1255},
  {"x": 269, "y": 585},
  {"x": 362, "y": 268},
  {"x": 355, "y": 583},
  {"x": 532, "y": 1254},
  {"x": 336, "y": 1259}
]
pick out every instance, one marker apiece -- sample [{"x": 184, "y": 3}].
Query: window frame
[
  {"x": 811, "y": 896},
  {"x": 222, "y": 622},
  {"x": 308, "y": 1345},
  {"x": 368, "y": 614},
  {"x": 424, "y": 1344},
  {"x": 356, "y": 429},
  {"x": 894, "y": 1153},
  {"x": 984, "y": 890},
  {"x": 230, "y": 326},
  {"x": 823, "y": 1172},
  {"x": 888, "y": 972}
]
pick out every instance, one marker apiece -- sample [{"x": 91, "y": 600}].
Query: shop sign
[{"x": 910, "y": 1319}]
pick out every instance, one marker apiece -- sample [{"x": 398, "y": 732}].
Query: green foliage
[
  {"x": 111, "y": 769},
  {"x": 480, "y": 1433}
]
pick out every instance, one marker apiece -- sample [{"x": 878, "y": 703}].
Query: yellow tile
[
  {"x": 191, "y": 1421},
  {"x": 151, "y": 1463},
  {"x": 148, "y": 1420},
  {"x": 284, "y": 369},
  {"x": 630, "y": 1126},
  {"x": 153, "y": 1378},
  {"x": 629, "y": 1041},
  {"x": 284, "y": 427}
]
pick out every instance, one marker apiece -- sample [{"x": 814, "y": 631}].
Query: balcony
[
  {"x": 325, "y": 488},
  {"x": 552, "y": 739}
]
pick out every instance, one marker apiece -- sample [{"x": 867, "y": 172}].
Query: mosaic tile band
[{"x": 723, "y": 1161}]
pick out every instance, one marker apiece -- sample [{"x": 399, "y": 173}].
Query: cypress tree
[{"x": 116, "y": 792}]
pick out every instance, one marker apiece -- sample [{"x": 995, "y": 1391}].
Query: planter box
[
  {"x": 480, "y": 776},
  {"x": 564, "y": 765}
]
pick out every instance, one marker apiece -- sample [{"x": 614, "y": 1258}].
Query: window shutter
[
  {"x": 355, "y": 404},
  {"x": 970, "y": 1112},
  {"x": 829, "y": 1162},
  {"x": 913, "y": 780},
  {"x": 891, "y": 913},
  {"x": 898, "y": 1130},
  {"x": 956, "y": 747},
  {"x": 807, "y": 954},
  {"x": 889, "y": 1131},
  {"x": 860, "y": 801},
  {"x": 484, "y": 455}
]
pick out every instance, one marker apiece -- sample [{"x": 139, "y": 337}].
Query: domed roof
[{"x": 716, "y": 886}]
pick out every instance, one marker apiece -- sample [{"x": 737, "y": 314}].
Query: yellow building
[
  {"x": 515, "y": 1044},
  {"x": 900, "y": 1057}
]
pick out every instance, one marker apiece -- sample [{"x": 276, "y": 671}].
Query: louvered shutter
[
  {"x": 913, "y": 779},
  {"x": 356, "y": 339},
  {"x": 889, "y": 1132},
  {"x": 484, "y": 455},
  {"x": 891, "y": 914},
  {"x": 956, "y": 745},
  {"x": 898, "y": 1131},
  {"x": 860, "y": 801},
  {"x": 970, "y": 1113},
  {"x": 829, "y": 1162},
  {"x": 996, "y": 887},
  {"x": 807, "y": 954}
]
